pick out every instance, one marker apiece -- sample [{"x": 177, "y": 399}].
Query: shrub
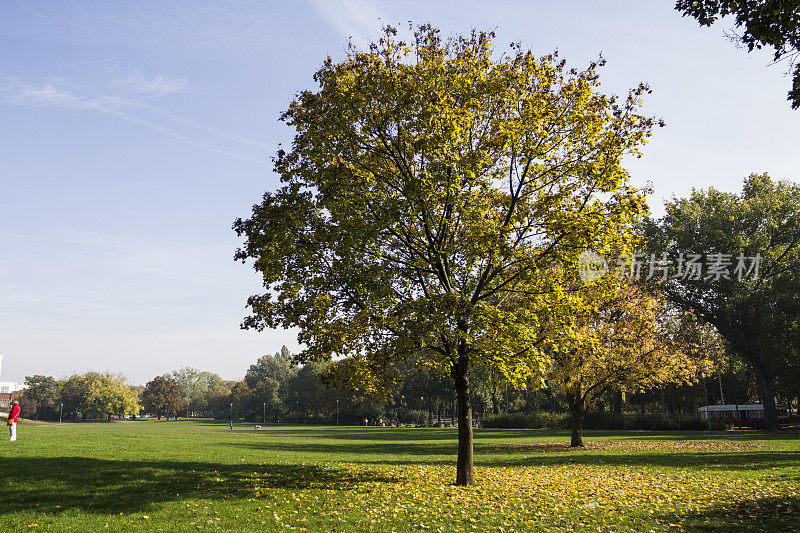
[{"x": 604, "y": 420}]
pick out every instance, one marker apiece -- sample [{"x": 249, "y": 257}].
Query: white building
[{"x": 7, "y": 387}]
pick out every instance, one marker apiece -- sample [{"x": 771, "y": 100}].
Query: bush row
[{"x": 601, "y": 420}]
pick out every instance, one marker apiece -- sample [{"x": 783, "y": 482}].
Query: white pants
[{"x": 13, "y": 429}]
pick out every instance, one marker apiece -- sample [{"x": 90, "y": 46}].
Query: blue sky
[{"x": 133, "y": 134}]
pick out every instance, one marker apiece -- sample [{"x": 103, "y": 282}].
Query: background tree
[
  {"x": 162, "y": 396},
  {"x": 268, "y": 378},
  {"x": 217, "y": 400},
  {"x": 28, "y": 405},
  {"x": 197, "y": 388},
  {"x": 754, "y": 314},
  {"x": 617, "y": 339},
  {"x": 764, "y": 23},
  {"x": 107, "y": 394},
  {"x": 242, "y": 403},
  {"x": 433, "y": 195},
  {"x": 314, "y": 399},
  {"x": 74, "y": 392},
  {"x": 45, "y": 391},
  {"x": 210, "y": 391},
  {"x": 188, "y": 379}
]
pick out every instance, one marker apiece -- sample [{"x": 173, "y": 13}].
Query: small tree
[
  {"x": 433, "y": 196},
  {"x": 620, "y": 339}
]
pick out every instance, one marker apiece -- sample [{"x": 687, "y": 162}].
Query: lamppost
[
  {"x": 231, "y": 416},
  {"x": 337, "y": 412},
  {"x": 705, "y": 394},
  {"x": 297, "y": 412},
  {"x": 60, "y": 411},
  {"x": 264, "y": 417}
]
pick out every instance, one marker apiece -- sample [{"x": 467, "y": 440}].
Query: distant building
[
  {"x": 7, "y": 387},
  {"x": 8, "y": 390}
]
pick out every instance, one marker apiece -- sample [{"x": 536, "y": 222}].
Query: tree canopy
[{"x": 434, "y": 198}]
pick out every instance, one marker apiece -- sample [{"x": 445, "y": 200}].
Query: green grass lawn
[{"x": 197, "y": 475}]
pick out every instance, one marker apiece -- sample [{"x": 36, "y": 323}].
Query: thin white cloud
[
  {"x": 43, "y": 95},
  {"x": 174, "y": 134},
  {"x": 357, "y": 19},
  {"x": 132, "y": 91},
  {"x": 137, "y": 85},
  {"x": 203, "y": 127}
]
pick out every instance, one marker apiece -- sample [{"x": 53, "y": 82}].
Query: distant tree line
[{"x": 276, "y": 390}]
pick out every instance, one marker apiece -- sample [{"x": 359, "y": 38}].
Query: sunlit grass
[{"x": 191, "y": 475}]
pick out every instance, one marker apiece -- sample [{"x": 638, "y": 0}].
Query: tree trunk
[
  {"x": 578, "y": 408},
  {"x": 464, "y": 473},
  {"x": 495, "y": 403},
  {"x": 767, "y": 396}
]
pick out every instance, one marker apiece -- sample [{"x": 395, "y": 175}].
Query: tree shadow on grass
[
  {"x": 372, "y": 453},
  {"x": 761, "y": 514},
  {"x": 57, "y": 484},
  {"x": 483, "y": 434},
  {"x": 271, "y": 430},
  {"x": 530, "y": 454}
]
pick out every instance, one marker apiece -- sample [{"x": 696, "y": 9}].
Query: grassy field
[{"x": 198, "y": 475}]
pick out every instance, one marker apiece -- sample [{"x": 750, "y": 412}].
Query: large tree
[
  {"x": 773, "y": 24},
  {"x": 434, "y": 195},
  {"x": 754, "y": 299}
]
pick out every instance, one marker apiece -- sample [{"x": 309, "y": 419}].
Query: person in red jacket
[{"x": 13, "y": 416}]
